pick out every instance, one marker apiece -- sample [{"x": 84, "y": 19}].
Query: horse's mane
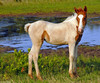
[{"x": 71, "y": 17}]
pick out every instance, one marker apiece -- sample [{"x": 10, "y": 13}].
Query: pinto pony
[{"x": 67, "y": 32}]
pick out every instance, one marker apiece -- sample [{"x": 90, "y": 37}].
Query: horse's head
[{"x": 81, "y": 18}]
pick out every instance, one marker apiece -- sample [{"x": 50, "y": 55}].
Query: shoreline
[
  {"x": 84, "y": 50},
  {"x": 52, "y": 14},
  {"x": 4, "y": 49},
  {"x": 87, "y": 51}
]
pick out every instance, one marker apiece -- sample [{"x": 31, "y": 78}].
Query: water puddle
[{"x": 12, "y": 32}]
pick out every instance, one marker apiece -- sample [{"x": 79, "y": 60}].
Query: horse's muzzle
[{"x": 80, "y": 30}]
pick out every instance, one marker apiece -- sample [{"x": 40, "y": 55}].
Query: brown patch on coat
[
  {"x": 45, "y": 36},
  {"x": 78, "y": 36},
  {"x": 28, "y": 28}
]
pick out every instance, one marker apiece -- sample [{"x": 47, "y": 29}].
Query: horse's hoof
[
  {"x": 31, "y": 76},
  {"x": 76, "y": 75},
  {"x": 39, "y": 78},
  {"x": 71, "y": 75}
]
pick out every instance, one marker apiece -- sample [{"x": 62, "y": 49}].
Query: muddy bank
[
  {"x": 50, "y": 14},
  {"x": 92, "y": 15},
  {"x": 82, "y": 50},
  {"x": 96, "y": 22},
  {"x": 5, "y": 48},
  {"x": 40, "y": 14}
]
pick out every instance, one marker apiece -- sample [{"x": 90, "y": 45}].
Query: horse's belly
[
  {"x": 56, "y": 35},
  {"x": 57, "y": 41}
]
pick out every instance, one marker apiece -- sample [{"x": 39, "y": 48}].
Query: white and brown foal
[{"x": 67, "y": 32}]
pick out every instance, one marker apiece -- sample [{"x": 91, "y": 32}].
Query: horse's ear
[
  {"x": 85, "y": 9},
  {"x": 76, "y": 10}
]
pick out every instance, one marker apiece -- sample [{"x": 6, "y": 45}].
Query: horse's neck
[{"x": 72, "y": 20}]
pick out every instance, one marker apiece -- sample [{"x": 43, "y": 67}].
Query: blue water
[{"x": 13, "y": 35}]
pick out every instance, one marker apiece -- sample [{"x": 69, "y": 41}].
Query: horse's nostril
[{"x": 80, "y": 30}]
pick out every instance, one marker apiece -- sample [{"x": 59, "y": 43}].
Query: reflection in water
[{"x": 12, "y": 32}]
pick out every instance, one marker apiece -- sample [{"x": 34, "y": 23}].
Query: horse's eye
[{"x": 84, "y": 18}]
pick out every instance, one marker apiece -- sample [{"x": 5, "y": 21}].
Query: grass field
[
  {"x": 33, "y": 6},
  {"x": 53, "y": 68}
]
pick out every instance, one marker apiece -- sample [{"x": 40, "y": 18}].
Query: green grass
[
  {"x": 33, "y": 6},
  {"x": 53, "y": 68}
]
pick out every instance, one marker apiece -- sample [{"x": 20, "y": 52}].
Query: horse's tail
[{"x": 26, "y": 27}]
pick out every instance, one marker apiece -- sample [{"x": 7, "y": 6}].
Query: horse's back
[
  {"x": 36, "y": 30},
  {"x": 54, "y": 33}
]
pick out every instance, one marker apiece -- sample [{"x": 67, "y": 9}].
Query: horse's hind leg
[
  {"x": 35, "y": 59},
  {"x": 30, "y": 66},
  {"x": 30, "y": 56},
  {"x": 34, "y": 55}
]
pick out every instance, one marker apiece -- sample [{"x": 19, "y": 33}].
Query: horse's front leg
[
  {"x": 71, "y": 58},
  {"x": 75, "y": 62}
]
